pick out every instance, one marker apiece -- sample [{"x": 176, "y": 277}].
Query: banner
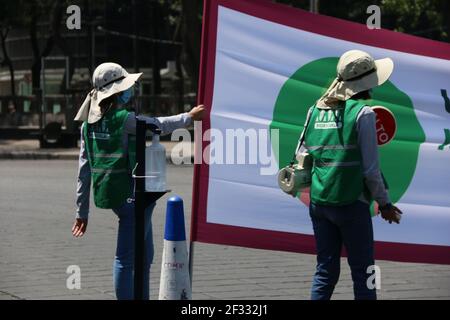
[{"x": 262, "y": 66}]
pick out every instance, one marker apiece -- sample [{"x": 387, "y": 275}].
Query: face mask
[{"x": 125, "y": 96}]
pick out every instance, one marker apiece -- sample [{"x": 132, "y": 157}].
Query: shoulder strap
[{"x": 302, "y": 135}]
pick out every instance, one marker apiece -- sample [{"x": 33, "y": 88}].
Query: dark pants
[{"x": 350, "y": 225}]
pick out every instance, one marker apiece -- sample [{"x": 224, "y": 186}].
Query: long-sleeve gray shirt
[
  {"x": 367, "y": 143},
  {"x": 166, "y": 124}
]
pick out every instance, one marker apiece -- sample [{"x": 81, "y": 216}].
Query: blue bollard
[
  {"x": 174, "y": 230},
  {"x": 175, "y": 283}
]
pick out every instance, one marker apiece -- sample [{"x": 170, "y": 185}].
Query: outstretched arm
[
  {"x": 83, "y": 191},
  {"x": 167, "y": 124}
]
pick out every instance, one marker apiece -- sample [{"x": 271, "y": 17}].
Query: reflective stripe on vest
[
  {"x": 336, "y": 164},
  {"x": 108, "y": 171},
  {"x": 332, "y": 147},
  {"x": 109, "y": 155}
]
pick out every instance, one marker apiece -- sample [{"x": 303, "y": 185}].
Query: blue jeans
[
  {"x": 124, "y": 259},
  {"x": 333, "y": 226}
]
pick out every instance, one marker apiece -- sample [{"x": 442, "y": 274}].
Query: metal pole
[
  {"x": 43, "y": 109},
  {"x": 191, "y": 260},
  {"x": 93, "y": 46},
  {"x": 67, "y": 120},
  {"x": 314, "y": 6},
  {"x": 89, "y": 36},
  {"x": 66, "y": 94},
  {"x": 67, "y": 73},
  {"x": 139, "y": 209},
  {"x": 137, "y": 99},
  {"x": 135, "y": 40}
]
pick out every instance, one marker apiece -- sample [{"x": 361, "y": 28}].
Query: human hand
[
  {"x": 391, "y": 213},
  {"x": 197, "y": 112},
  {"x": 79, "y": 227}
]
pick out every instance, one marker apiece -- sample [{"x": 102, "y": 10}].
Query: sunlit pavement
[{"x": 36, "y": 247}]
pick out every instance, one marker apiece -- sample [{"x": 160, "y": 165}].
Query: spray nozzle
[{"x": 153, "y": 128}]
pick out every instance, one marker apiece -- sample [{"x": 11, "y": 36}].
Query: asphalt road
[{"x": 36, "y": 247}]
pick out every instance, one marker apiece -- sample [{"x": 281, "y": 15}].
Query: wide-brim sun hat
[
  {"x": 109, "y": 78},
  {"x": 357, "y": 71}
]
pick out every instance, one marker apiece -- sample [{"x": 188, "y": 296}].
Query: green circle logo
[{"x": 398, "y": 159}]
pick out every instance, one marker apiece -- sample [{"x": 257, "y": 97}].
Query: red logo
[{"x": 385, "y": 124}]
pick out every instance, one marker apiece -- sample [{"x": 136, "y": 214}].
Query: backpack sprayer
[{"x": 297, "y": 176}]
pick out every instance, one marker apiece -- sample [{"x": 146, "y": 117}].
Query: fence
[{"x": 29, "y": 112}]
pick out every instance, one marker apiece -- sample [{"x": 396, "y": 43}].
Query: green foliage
[
  {"x": 10, "y": 13},
  {"x": 425, "y": 18},
  {"x": 421, "y": 17}
]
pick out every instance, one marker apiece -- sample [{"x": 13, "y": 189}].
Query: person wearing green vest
[
  {"x": 340, "y": 136},
  {"x": 107, "y": 158}
]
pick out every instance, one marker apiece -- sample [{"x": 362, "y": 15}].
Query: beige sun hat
[
  {"x": 357, "y": 71},
  {"x": 109, "y": 78}
]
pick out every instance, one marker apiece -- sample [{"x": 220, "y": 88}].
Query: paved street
[{"x": 36, "y": 247}]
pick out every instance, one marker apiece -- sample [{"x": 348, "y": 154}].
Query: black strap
[
  {"x": 109, "y": 82},
  {"x": 302, "y": 136},
  {"x": 358, "y": 77}
]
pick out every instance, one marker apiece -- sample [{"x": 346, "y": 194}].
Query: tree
[
  {"x": 36, "y": 11},
  {"x": 8, "y": 18},
  {"x": 6, "y": 61},
  {"x": 191, "y": 36},
  {"x": 425, "y": 18},
  {"x": 185, "y": 17}
]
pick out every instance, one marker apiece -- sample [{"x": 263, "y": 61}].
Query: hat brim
[
  {"x": 384, "y": 68},
  {"x": 95, "y": 113},
  {"x": 344, "y": 90}
]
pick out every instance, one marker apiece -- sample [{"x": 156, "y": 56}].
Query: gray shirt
[
  {"x": 166, "y": 124},
  {"x": 367, "y": 143}
]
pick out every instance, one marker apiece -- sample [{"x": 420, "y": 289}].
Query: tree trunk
[
  {"x": 191, "y": 35},
  {"x": 36, "y": 67},
  {"x": 7, "y": 61},
  {"x": 156, "y": 18},
  {"x": 180, "y": 76},
  {"x": 62, "y": 44}
]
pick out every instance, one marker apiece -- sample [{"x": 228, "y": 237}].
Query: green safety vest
[
  {"x": 331, "y": 139},
  {"x": 110, "y": 163}
]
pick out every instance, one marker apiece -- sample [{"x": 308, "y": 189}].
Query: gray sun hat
[
  {"x": 109, "y": 78},
  {"x": 357, "y": 71}
]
